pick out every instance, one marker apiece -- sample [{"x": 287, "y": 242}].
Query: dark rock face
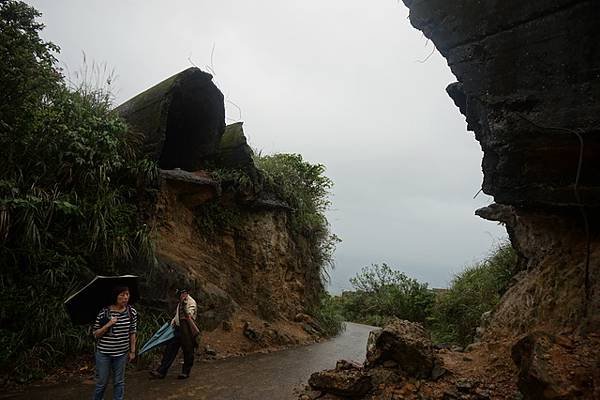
[
  {"x": 407, "y": 343},
  {"x": 529, "y": 86},
  {"x": 233, "y": 151},
  {"x": 182, "y": 119}
]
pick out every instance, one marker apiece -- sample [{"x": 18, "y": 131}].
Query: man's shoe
[
  {"x": 156, "y": 375},
  {"x": 183, "y": 376}
]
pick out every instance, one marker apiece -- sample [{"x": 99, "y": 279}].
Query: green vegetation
[
  {"x": 214, "y": 217},
  {"x": 327, "y": 314},
  {"x": 70, "y": 182},
  {"x": 305, "y": 188},
  {"x": 382, "y": 293},
  {"x": 457, "y": 312}
]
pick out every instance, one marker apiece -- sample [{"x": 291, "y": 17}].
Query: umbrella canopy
[
  {"x": 84, "y": 305},
  {"x": 165, "y": 333}
]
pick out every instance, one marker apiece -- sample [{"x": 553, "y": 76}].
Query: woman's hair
[{"x": 117, "y": 290}]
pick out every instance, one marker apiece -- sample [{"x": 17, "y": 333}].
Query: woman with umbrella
[{"x": 115, "y": 332}]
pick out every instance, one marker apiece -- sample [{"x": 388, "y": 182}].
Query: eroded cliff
[
  {"x": 529, "y": 84},
  {"x": 231, "y": 244}
]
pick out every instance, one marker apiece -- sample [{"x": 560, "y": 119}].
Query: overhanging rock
[
  {"x": 529, "y": 85},
  {"x": 182, "y": 119}
]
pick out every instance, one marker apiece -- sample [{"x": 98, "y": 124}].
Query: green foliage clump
[
  {"x": 457, "y": 312},
  {"x": 305, "y": 188},
  {"x": 70, "y": 181},
  {"x": 328, "y": 315},
  {"x": 382, "y": 294},
  {"x": 213, "y": 217},
  {"x": 237, "y": 179}
]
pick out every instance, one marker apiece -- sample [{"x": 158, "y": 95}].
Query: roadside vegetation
[
  {"x": 457, "y": 312},
  {"x": 70, "y": 184},
  {"x": 382, "y": 293},
  {"x": 306, "y": 189}
]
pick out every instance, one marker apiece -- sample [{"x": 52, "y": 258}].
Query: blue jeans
[{"x": 104, "y": 365}]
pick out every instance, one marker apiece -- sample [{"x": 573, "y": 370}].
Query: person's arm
[
  {"x": 191, "y": 308},
  {"x": 132, "y": 342},
  {"x": 98, "y": 333},
  {"x": 132, "y": 335}
]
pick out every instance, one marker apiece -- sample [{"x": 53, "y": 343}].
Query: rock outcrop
[
  {"x": 529, "y": 86},
  {"x": 230, "y": 245},
  {"x": 528, "y": 83},
  {"x": 182, "y": 119}
]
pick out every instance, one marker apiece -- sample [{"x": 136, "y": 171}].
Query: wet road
[{"x": 255, "y": 377}]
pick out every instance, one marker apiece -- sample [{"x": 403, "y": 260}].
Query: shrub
[
  {"x": 306, "y": 189},
  {"x": 382, "y": 293},
  {"x": 327, "y": 314},
  {"x": 70, "y": 182},
  {"x": 456, "y": 313}
]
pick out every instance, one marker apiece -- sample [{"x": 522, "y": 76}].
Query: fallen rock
[
  {"x": 383, "y": 376},
  {"x": 209, "y": 351},
  {"x": 227, "y": 326},
  {"x": 308, "y": 323},
  {"x": 351, "y": 382},
  {"x": 309, "y": 329},
  {"x": 404, "y": 342},
  {"x": 465, "y": 385},
  {"x": 252, "y": 333},
  {"x": 438, "y": 370},
  {"x": 346, "y": 365},
  {"x": 301, "y": 317}
]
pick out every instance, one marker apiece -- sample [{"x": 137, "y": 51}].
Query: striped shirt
[{"x": 115, "y": 341}]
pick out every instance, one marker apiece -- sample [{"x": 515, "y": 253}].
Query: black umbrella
[{"x": 84, "y": 305}]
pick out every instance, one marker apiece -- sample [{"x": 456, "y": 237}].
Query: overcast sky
[{"x": 346, "y": 83}]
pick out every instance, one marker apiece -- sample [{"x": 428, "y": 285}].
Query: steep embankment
[
  {"x": 252, "y": 270},
  {"x": 225, "y": 238}
]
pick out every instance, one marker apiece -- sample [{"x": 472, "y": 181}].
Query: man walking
[{"x": 185, "y": 337}]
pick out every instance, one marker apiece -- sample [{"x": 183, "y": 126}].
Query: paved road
[{"x": 256, "y": 377}]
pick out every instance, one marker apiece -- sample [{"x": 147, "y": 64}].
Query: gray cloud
[{"x": 339, "y": 82}]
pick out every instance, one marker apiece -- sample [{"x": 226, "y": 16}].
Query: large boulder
[
  {"x": 181, "y": 119},
  {"x": 407, "y": 343},
  {"x": 347, "y": 380}
]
